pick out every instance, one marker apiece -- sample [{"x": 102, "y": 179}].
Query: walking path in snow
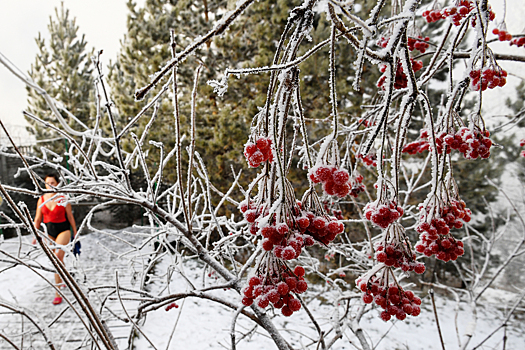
[{"x": 21, "y": 287}]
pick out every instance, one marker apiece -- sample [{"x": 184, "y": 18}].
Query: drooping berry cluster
[
  {"x": 365, "y": 122},
  {"x": 456, "y": 13},
  {"x": 400, "y": 80},
  {"x": 383, "y": 42},
  {"x": 369, "y": 160},
  {"x": 357, "y": 185},
  {"x": 432, "y": 16},
  {"x": 286, "y": 245},
  {"x": 250, "y": 211},
  {"x": 337, "y": 213},
  {"x": 395, "y": 255},
  {"x": 487, "y": 78},
  {"x": 393, "y": 299},
  {"x": 434, "y": 229},
  {"x": 383, "y": 214},
  {"x": 321, "y": 228},
  {"x": 171, "y": 306},
  {"x": 394, "y": 250},
  {"x": 445, "y": 248},
  {"x": 519, "y": 42},
  {"x": 419, "y": 145},
  {"x": 472, "y": 143},
  {"x": 503, "y": 35},
  {"x": 276, "y": 289},
  {"x": 419, "y": 43},
  {"x": 336, "y": 181},
  {"x": 259, "y": 152}
]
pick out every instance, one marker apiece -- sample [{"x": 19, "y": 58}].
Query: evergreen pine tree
[{"x": 62, "y": 68}]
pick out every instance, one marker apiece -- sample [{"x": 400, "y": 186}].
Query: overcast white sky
[{"x": 104, "y": 23}]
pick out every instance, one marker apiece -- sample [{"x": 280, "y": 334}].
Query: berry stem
[{"x": 431, "y": 292}]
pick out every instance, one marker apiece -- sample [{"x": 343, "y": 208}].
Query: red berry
[
  {"x": 385, "y": 316},
  {"x": 286, "y": 311},
  {"x": 299, "y": 271},
  {"x": 294, "y": 304},
  {"x": 254, "y": 281},
  {"x": 301, "y": 287},
  {"x": 247, "y": 301},
  {"x": 282, "y": 288},
  {"x": 367, "y": 298}
]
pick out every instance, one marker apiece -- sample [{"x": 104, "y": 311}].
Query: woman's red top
[{"x": 57, "y": 215}]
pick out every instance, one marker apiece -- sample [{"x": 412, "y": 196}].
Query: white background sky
[{"x": 104, "y": 23}]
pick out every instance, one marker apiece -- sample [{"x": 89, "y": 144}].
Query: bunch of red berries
[
  {"x": 383, "y": 215},
  {"x": 398, "y": 255},
  {"x": 419, "y": 145},
  {"x": 433, "y": 15},
  {"x": 383, "y": 42},
  {"x": 519, "y": 42},
  {"x": 472, "y": 143},
  {"x": 445, "y": 248},
  {"x": 365, "y": 122},
  {"x": 503, "y": 35},
  {"x": 337, "y": 213},
  {"x": 357, "y": 185},
  {"x": 335, "y": 181},
  {"x": 259, "y": 152},
  {"x": 488, "y": 78},
  {"x": 456, "y": 13},
  {"x": 522, "y": 144},
  {"x": 322, "y": 229},
  {"x": 171, "y": 306},
  {"x": 448, "y": 217},
  {"x": 418, "y": 43},
  {"x": 285, "y": 246},
  {"x": 276, "y": 289},
  {"x": 400, "y": 80},
  {"x": 394, "y": 300},
  {"x": 369, "y": 159},
  {"x": 435, "y": 237}
]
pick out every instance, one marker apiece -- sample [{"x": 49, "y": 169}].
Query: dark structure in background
[
  {"x": 9, "y": 165},
  {"x": 113, "y": 216}
]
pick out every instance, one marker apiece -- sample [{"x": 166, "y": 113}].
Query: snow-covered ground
[{"x": 202, "y": 324}]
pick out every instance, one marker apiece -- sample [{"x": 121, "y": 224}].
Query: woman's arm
[
  {"x": 71, "y": 219},
  {"x": 38, "y": 215}
]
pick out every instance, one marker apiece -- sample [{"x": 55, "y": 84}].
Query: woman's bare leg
[{"x": 63, "y": 239}]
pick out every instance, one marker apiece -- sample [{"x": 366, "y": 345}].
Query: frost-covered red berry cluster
[
  {"x": 276, "y": 288},
  {"x": 456, "y": 13},
  {"x": 394, "y": 250},
  {"x": 383, "y": 214},
  {"x": 519, "y": 42},
  {"x": 392, "y": 298},
  {"x": 503, "y": 35},
  {"x": 400, "y": 80},
  {"x": 471, "y": 143},
  {"x": 335, "y": 181},
  {"x": 258, "y": 152},
  {"x": 369, "y": 160},
  {"x": 435, "y": 224},
  {"x": 419, "y": 43},
  {"x": 487, "y": 78},
  {"x": 418, "y": 146}
]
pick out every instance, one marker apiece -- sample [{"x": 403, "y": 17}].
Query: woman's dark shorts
[{"x": 54, "y": 229}]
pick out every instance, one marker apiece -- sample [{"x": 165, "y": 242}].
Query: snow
[{"x": 203, "y": 324}]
